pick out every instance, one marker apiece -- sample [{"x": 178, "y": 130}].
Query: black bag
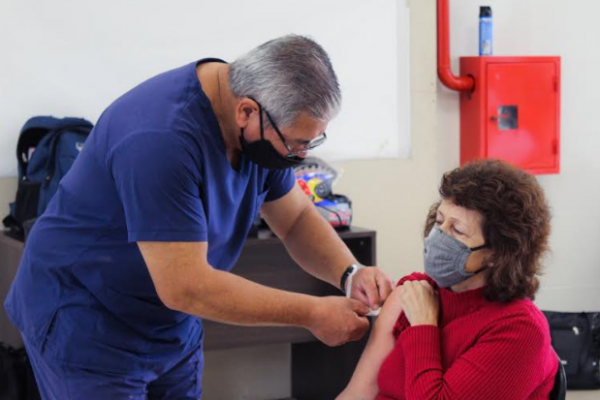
[
  {"x": 46, "y": 149},
  {"x": 9, "y": 381},
  {"x": 576, "y": 339},
  {"x": 16, "y": 376}
]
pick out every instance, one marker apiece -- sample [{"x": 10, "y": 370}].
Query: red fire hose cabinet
[{"x": 512, "y": 112}]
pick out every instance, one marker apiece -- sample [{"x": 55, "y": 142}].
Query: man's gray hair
[{"x": 288, "y": 76}]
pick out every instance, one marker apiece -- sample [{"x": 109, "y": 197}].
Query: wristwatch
[{"x": 348, "y": 273}]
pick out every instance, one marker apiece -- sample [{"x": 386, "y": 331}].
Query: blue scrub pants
[{"x": 57, "y": 381}]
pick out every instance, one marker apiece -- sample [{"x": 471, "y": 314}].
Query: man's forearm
[
  {"x": 228, "y": 298},
  {"x": 317, "y": 248}
]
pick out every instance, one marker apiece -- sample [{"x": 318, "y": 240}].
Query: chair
[{"x": 559, "y": 391}]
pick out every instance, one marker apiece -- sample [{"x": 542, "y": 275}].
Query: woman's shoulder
[
  {"x": 521, "y": 314},
  {"x": 523, "y": 307}
]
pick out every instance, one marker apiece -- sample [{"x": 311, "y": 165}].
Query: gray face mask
[{"x": 446, "y": 258}]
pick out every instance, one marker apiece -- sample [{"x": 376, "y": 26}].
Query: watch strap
[{"x": 351, "y": 270}]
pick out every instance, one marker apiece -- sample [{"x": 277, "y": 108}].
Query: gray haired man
[{"x": 135, "y": 248}]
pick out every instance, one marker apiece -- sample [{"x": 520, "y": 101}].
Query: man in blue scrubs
[{"x": 135, "y": 248}]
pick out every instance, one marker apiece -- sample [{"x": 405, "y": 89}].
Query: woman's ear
[{"x": 488, "y": 258}]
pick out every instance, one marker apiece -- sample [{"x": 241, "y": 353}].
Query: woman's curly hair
[{"x": 516, "y": 222}]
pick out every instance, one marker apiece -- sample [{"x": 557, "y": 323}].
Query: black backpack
[
  {"x": 46, "y": 149},
  {"x": 576, "y": 339}
]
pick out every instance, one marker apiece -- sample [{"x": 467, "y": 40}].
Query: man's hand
[
  {"x": 336, "y": 320},
  {"x": 420, "y": 303},
  {"x": 371, "y": 286}
]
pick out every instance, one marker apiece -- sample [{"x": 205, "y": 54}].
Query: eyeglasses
[{"x": 304, "y": 147}]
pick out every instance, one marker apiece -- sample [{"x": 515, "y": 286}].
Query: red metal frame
[{"x": 460, "y": 83}]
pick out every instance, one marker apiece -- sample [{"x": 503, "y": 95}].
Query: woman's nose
[{"x": 444, "y": 227}]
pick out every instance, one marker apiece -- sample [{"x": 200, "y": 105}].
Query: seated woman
[{"x": 467, "y": 329}]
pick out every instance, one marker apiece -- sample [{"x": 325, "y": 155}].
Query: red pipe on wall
[{"x": 460, "y": 83}]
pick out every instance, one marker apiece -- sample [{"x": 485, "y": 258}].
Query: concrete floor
[{"x": 583, "y": 395}]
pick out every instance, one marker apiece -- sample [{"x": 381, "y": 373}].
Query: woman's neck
[{"x": 475, "y": 282}]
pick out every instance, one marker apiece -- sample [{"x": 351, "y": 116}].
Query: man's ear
[{"x": 243, "y": 110}]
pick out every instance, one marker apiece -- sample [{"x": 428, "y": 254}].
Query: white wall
[{"x": 68, "y": 57}]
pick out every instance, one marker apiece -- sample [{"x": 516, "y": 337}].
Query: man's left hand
[{"x": 371, "y": 286}]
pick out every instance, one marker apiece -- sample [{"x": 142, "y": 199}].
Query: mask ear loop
[
  {"x": 483, "y": 246},
  {"x": 262, "y": 132},
  {"x": 260, "y": 113},
  {"x": 480, "y": 269},
  {"x": 260, "y": 116}
]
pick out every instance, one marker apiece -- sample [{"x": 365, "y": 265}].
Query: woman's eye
[
  {"x": 438, "y": 222},
  {"x": 457, "y": 231}
]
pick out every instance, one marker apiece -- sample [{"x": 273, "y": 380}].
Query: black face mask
[{"x": 263, "y": 153}]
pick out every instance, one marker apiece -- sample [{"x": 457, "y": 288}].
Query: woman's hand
[{"x": 420, "y": 303}]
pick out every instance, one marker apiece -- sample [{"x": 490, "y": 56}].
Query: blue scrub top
[{"x": 153, "y": 169}]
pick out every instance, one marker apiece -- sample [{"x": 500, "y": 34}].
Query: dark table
[{"x": 318, "y": 372}]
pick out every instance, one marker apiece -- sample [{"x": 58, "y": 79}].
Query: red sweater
[{"x": 479, "y": 350}]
